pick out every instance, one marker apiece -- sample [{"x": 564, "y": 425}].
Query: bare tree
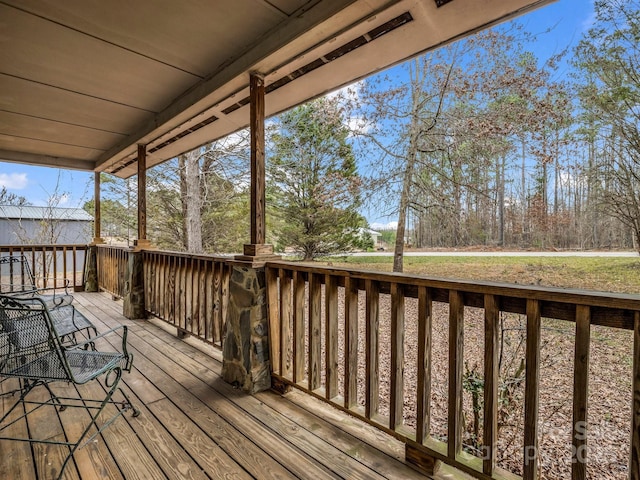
[
  {"x": 610, "y": 58},
  {"x": 189, "y": 168}
]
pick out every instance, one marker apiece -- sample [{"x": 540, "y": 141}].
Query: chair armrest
[
  {"x": 92, "y": 340},
  {"x": 51, "y": 280}
]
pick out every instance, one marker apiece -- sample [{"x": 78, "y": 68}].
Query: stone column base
[
  {"x": 245, "y": 339},
  {"x": 133, "y": 306},
  {"x": 91, "y": 270}
]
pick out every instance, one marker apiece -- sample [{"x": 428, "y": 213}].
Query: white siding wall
[{"x": 18, "y": 232}]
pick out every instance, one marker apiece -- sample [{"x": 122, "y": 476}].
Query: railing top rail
[
  {"x": 57, "y": 246},
  {"x": 193, "y": 256},
  {"x": 112, "y": 247},
  {"x": 624, "y": 301}
]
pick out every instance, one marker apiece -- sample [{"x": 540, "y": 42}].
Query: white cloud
[
  {"x": 349, "y": 96},
  {"x": 64, "y": 200},
  {"x": 13, "y": 181},
  {"x": 359, "y": 125}
]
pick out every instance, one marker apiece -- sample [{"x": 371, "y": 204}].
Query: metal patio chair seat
[
  {"x": 69, "y": 323},
  {"x": 17, "y": 279},
  {"x": 32, "y": 351}
]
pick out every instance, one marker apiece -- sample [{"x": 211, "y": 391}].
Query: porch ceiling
[{"x": 82, "y": 82}]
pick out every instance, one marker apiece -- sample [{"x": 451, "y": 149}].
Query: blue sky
[{"x": 568, "y": 19}]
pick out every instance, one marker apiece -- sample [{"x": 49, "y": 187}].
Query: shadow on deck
[{"x": 195, "y": 426}]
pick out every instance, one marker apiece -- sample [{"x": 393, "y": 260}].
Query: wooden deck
[{"x": 193, "y": 425}]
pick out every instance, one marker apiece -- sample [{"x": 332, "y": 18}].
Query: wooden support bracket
[{"x": 422, "y": 461}]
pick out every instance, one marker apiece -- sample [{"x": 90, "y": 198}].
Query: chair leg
[
  {"x": 26, "y": 386},
  {"x": 112, "y": 385},
  {"x": 54, "y": 398},
  {"x": 24, "y": 389}
]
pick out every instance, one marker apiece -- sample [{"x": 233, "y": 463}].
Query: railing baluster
[
  {"x": 491, "y": 378},
  {"x": 397, "y": 357},
  {"x": 423, "y": 390},
  {"x": 189, "y": 309},
  {"x": 298, "y": 326},
  {"x": 217, "y": 295},
  {"x": 532, "y": 385},
  {"x": 208, "y": 300},
  {"x": 285, "y": 322},
  {"x": 315, "y": 299},
  {"x": 331, "y": 335},
  {"x": 171, "y": 290},
  {"x": 224, "y": 292},
  {"x": 199, "y": 290},
  {"x": 64, "y": 268},
  {"x": 75, "y": 270},
  {"x": 104, "y": 267},
  {"x": 177, "y": 292},
  {"x": 182, "y": 293},
  {"x": 196, "y": 286},
  {"x": 33, "y": 258},
  {"x": 351, "y": 342},
  {"x": 580, "y": 392},
  {"x": 192, "y": 297},
  {"x": 44, "y": 267},
  {"x": 158, "y": 286},
  {"x": 203, "y": 267},
  {"x": 634, "y": 461},
  {"x": 162, "y": 285},
  {"x": 372, "y": 362},
  {"x": 273, "y": 296},
  {"x": 54, "y": 253},
  {"x": 456, "y": 349}
]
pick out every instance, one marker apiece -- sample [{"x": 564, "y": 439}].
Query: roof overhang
[{"x": 83, "y": 82}]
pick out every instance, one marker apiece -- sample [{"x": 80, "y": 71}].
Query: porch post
[
  {"x": 97, "y": 226},
  {"x": 133, "y": 301},
  {"x": 142, "y": 241},
  {"x": 91, "y": 263},
  {"x": 257, "y": 247},
  {"x": 245, "y": 339}
]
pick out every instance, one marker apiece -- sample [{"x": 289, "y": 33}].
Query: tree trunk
[
  {"x": 523, "y": 193},
  {"x": 500, "y": 172},
  {"x": 191, "y": 200},
  {"x": 398, "y": 252},
  {"x": 414, "y": 130}
]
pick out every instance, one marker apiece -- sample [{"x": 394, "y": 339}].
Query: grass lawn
[{"x": 591, "y": 273}]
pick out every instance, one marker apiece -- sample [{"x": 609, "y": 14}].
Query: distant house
[
  {"x": 375, "y": 236},
  {"x": 368, "y": 233},
  {"x": 44, "y": 225}
]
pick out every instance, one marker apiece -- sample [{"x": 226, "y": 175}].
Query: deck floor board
[{"x": 193, "y": 425}]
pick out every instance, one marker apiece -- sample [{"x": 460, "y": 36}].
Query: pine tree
[{"x": 313, "y": 171}]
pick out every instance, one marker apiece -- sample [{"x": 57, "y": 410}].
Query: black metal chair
[
  {"x": 32, "y": 351},
  {"x": 17, "y": 279}
]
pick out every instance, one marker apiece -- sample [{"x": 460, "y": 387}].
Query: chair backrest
[
  {"x": 16, "y": 275},
  {"x": 29, "y": 344}
]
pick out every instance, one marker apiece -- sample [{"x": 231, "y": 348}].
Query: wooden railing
[
  {"x": 188, "y": 291},
  {"x": 52, "y": 265},
  {"x": 365, "y": 342},
  {"x": 112, "y": 268}
]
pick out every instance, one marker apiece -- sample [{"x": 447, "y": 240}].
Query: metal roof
[
  {"x": 43, "y": 213},
  {"x": 83, "y": 82}
]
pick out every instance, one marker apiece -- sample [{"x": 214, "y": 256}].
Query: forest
[{"x": 478, "y": 143}]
